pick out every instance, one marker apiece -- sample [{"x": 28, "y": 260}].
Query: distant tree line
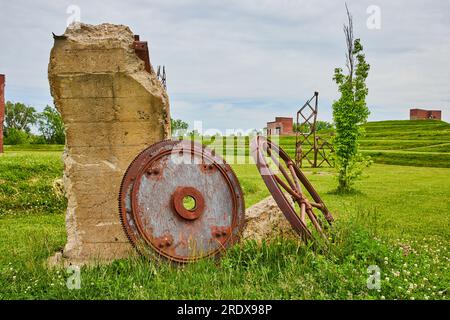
[
  {"x": 320, "y": 126},
  {"x": 20, "y": 118}
]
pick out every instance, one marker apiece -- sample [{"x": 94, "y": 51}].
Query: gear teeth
[
  {"x": 126, "y": 190},
  {"x": 123, "y": 194}
]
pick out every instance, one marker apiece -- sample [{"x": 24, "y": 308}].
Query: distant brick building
[
  {"x": 2, "y": 108},
  {"x": 421, "y": 114},
  {"x": 281, "y": 126}
]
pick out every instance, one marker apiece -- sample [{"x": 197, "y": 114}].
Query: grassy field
[
  {"x": 410, "y": 143},
  {"x": 398, "y": 220}
]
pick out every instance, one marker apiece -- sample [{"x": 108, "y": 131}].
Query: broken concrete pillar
[
  {"x": 2, "y": 109},
  {"x": 266, "y": 222},
  {"x": 112, "y": 109}
]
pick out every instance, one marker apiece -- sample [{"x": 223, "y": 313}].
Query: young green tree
[
  {"x": 51, "y": 126},
  {"x": 350, "y": 111}
]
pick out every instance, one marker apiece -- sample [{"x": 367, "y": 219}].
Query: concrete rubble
[
  {"x": 112, "y": 109},
  {"x": 265, "y": 221}
]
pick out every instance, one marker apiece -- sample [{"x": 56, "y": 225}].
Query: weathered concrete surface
[
  {"x": 112, "y": 109},
  {"x": 265, "y": 222}
]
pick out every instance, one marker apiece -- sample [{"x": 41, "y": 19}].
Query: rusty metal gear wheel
[
  {"x": 285, "y": 180},
  {"x": 181, "y": 201}
]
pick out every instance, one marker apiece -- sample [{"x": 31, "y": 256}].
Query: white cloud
[{"x": 240, "y": 63}]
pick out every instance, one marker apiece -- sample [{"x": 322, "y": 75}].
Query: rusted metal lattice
[
  {"x": 305, "y": 137},
  {"x": 161, "y": 75},
  {"x": 309, "y": 146},
  {"x": 153, "y": 207},
  {"x": 284, "y": 179},
  {"x": 323, "y": 151}
]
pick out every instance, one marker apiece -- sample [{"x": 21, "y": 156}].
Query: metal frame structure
[
  {"x": 308, "y": 145},
  {"x": 305, "y": 149}
]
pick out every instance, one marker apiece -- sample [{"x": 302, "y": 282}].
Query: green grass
[
  {"x": 26, "y": 182},
  {"x": 421, "y": 142},
  {"x": 397, "y": 220},
  {"x": 35, "y": 147}
]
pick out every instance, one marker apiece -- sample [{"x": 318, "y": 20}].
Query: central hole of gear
[{"x": 189, "y": 203}]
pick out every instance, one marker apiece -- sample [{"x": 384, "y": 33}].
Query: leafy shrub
[
  {"x": 16, "y": 136},
  {"x": 37, "y": 140}
]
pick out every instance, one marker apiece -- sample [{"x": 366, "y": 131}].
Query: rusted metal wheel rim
[
  {"x": 295, "y": 179},
  {"x": 151, "y": 202}
]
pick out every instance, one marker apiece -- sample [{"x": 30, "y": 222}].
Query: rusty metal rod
[
  {"x": 314, "y": 220},
  {"x": 297, "y": 182},
  {"x": 304, "y": 203},
  {"x": 303, "y": 212},
  {"x": 283, "y": 171}
]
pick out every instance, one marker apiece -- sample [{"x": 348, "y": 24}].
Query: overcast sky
[{"x": 240, "y": 63}]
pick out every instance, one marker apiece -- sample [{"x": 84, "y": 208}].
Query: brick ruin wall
[
  {"x": 421, "y": 114},
  {"x": 285, "y": 125}
]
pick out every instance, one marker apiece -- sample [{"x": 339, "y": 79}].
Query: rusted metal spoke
[
  {"x": 315, "y": 222},
  {"x": 296, "y": 181},
  {"x": 283, "y": 171},
  {"x": 303, "y": 212},
  {"x": 294, "y": 184},
  {"x": 316, "y": 205},
  {"x": 305, "y": 205},
  {"x": 286, "y": 187}
]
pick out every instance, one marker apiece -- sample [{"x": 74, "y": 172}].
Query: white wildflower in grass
[{"x": 383, "y": 297}]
